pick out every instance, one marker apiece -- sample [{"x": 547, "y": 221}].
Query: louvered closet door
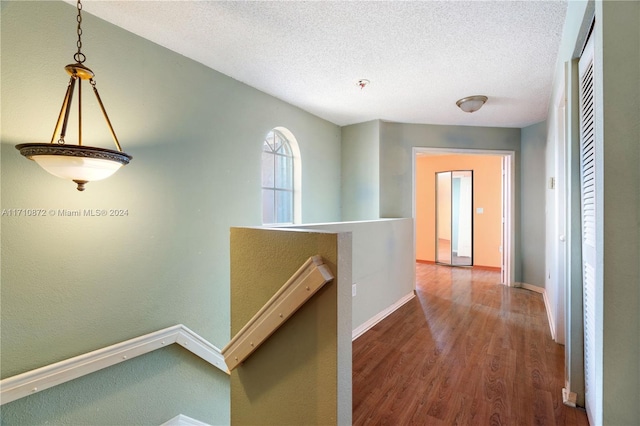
[{"x": 589, "y": 199}]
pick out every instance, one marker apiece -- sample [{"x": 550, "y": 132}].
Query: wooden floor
[{"x": 466, "y": 350}]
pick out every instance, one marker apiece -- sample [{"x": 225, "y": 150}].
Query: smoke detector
[{"x": 362, "y": 83}]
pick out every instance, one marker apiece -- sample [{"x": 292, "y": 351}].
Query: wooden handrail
[{"x": 304, "y": 283}]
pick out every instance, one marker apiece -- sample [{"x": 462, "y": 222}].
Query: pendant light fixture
[{"x": 78, "y": 163}]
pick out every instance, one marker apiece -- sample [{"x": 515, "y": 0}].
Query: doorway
[{"x": 495, "y": 207}]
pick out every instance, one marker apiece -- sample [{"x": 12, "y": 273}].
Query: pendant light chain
[{"x": 79, "y": 56}]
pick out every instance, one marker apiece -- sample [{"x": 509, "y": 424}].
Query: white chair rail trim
[
  {"x": 182, "y": 420},
  {"x": 42, "y": 378}
]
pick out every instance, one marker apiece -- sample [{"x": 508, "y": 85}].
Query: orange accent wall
[{"x": 487, "y": 193}]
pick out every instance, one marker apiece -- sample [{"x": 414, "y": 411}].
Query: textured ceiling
[{"x": 419, "y": 56}]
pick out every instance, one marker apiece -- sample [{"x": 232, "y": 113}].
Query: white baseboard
[
  {"x": 552, "y": 323},
  {"x": 547, "y": 305},
  {"x": 530, "y": 287},
  {"x": 182, "y": 420},
  {"x": 360, "y": 330},
  {"x": 569, "y": 398}
]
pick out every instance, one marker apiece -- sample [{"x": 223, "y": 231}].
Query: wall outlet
[{"x": 353, "y": 290}]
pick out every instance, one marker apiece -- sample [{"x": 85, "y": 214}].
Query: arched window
[{"x": 280, "y": 178}]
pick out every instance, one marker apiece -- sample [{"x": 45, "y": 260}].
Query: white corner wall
[{"x": 383, "y": 267}]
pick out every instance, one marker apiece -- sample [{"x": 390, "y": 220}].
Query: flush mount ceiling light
[
  {"x": 471, "y": 103},
  {"x": 78, "y": 163}
]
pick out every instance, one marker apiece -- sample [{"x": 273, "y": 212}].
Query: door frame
[
  {"x": 508, "y": 201},
  {"x": 559, "y": 246}
]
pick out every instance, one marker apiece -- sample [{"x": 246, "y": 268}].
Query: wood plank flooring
[{"x": 466, "y": 350}]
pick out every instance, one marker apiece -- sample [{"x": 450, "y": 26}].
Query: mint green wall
[
  {"x": 396, "y": 175},
  {"x": 75, "y": 284},
  {"x": 532, "y": 207},
  {"x": 617, "y": 60},
  {"x": 361, "y": 171}
]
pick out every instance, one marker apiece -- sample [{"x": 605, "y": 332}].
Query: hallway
[{"x": 466, "y": 350}]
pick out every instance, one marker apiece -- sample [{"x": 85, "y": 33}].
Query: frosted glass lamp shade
[
  {"x": 471, "y": 103},
  {"x": 80, "y": 164},
  {"x": 77, "y": 168}
]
